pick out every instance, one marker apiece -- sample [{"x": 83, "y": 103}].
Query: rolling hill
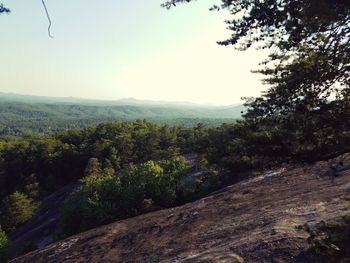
[{"x": 21, "y": 114}]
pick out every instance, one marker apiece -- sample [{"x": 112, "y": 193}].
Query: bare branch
[{"x": 48, "y": 18}]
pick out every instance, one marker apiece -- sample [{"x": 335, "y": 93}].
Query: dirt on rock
[{"x": 256, "y": 220}]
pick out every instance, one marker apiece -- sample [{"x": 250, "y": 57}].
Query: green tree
[
  {"x": 136, "y": 189},
  {"x": 94, "y": 203},
  {"x": 114, "y": 158},
  {"x": 4, "y": 244},
  {"x": 284, "y": 24},
  {"x": 310, "y": 43},
  {"x": 108, "y": 168},
  {"x": 93, "y": 168},
  {"x": 308, "y": 74},
  {"x": 16, "y": 209},
  {"x": 32, "y": 188}
]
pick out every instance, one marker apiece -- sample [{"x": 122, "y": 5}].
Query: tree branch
[
  {"x": 48, "y": 18},
  {"x": 4, "y": 9}
]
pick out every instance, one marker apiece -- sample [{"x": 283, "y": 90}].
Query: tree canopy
[
  {"x": 284, "y": 24},
  {"x": 4, "y": 244},
  {"x": 16, "y": 209},
  {"x": 308, "y": 69},
  {"x": 310, "y": 42},
  {"x": 103, "y": 198}
]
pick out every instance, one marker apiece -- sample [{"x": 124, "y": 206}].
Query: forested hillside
[
  {"x": 20, "y": 118},
  {"x": 129, "y": 168}
]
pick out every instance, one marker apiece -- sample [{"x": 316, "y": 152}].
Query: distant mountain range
[
  {"x": 126, "y": 101},
  {"x": 22, "y": 114}
]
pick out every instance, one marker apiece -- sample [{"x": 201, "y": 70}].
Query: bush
[
  {"x": 17, "y": 208},
  {"x": 4, "y": 243},
  {"x": 137, "y": 189},
  {"x": 92, "y": 204}
]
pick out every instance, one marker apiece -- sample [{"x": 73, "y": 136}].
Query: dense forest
[
  {"x": 33, "y": 167},
  {"x": 20, "y": 118}
]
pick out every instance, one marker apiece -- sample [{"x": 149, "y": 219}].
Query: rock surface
[
  {"x": 253, "y": 221},
  {"x": 40, "y": 228}
]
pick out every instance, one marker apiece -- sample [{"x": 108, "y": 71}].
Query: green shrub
[
  {"x": 4, "y": 243},
  {"x": 136, "y": 189},
  {"x": 17, "y": 208}
]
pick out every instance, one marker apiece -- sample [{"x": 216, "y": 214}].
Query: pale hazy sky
[{"x": 110, "y": 49}]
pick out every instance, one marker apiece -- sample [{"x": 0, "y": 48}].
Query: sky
[{"x": 112, "y": 49}]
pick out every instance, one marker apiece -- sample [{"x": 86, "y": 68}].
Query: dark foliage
[
  {"x": 4, "y": 244},
  {"x": 16, "y": 209},
  {"x": 104, "y": 198},
  {"x": 41, "y": 164},
  {"x": 305, "y": 112},
  {"x": 331, "y": 243}
]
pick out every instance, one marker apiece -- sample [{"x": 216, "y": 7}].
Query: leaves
[
  {"x": 16, "y": 209},
  {"x": 4, "y": 244},
  {"x": 137, "y": 189}
]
